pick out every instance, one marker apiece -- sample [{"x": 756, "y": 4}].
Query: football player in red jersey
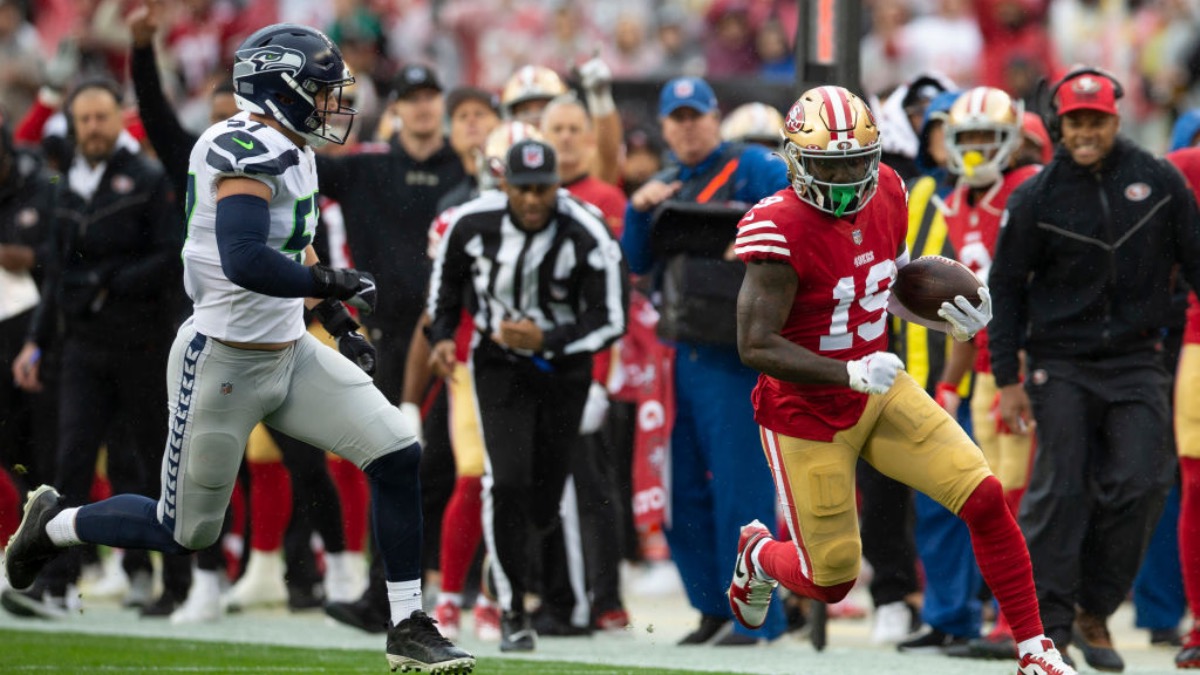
[{"x": 821, "y": 257}]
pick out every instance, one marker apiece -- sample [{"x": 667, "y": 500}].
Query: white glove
[
  {"x": 596, "y": 78},
  {"x": 874, "y": 373},
  {"x": 963, "y": 320},
  {"x": 412, "y": 415},
  {"x": 594, "y": 410}
]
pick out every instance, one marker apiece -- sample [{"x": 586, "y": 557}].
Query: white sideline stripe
[{"x": 186, "y": 669}]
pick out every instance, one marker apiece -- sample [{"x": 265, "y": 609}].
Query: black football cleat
[
  {"x": 517, "y": 633},
  {"x": 30, "y": 548},
  {"x": 415, "y": 645}
]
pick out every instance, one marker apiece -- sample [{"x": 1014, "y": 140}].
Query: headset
[{"x": 1050, "y": 102}]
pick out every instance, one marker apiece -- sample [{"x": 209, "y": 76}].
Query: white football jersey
[{"x": 245, "y": 148}]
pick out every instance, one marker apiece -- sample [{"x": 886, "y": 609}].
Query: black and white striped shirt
[{"x": 570, "y": 278}]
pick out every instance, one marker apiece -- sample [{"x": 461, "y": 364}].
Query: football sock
[
  {"x": 1033, "y": 645},
  {"x": 462, "y": 529},
  {"x": 351, "y": 485},
  {"x": 270, "y": 505},
  {"x": 1003, "y": 557},
  {"x": 781, "y": 561},
  {"x": 1189, "y": 531},
  {"x": 396, "y": 512},
  {"x": 10, "y": 507},
  {"x": 404, "y": 598},
  {"x": 61, "y": 529}
]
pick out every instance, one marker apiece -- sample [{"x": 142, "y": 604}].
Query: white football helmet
[
  {"x": 831, "y": 145},
  {"x": 754, "y": 123},
  {"x": 530, "y": 83},
  {"x": 495, "y": 150},
  {"x": 983, "y": 130}
]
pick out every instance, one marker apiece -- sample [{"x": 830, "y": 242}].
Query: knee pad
[
  {"x": 201, "y": 534},
  {"x": 830, "y": 529},
  {"x": 836, "y": 560}
]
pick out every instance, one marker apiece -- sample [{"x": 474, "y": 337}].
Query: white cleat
[
  {"x": 203, "y": 604},
  {"x": 345, "y": 576}
]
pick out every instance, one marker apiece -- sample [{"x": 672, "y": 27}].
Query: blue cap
[{"x": 686, "y": 92}]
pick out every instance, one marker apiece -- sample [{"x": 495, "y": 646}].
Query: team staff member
[
  {"x": 547, "y": 287},
  {"x": 829, "y": 393},
  {"x": 27, "y": 195},
  {"x": 388, "y": 200},
  {"x": 713, "y": 488},
  {"x": 114, "y": 264},
  {"x": 1082, "y": 280}
]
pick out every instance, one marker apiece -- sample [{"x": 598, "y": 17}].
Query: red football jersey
[
  {"x": 466, "y": 323},
  {"x": 846, "y": 267},
  {"x": 1187, "y": 161},
  {"x": 973, "y": 230},
  {"x": 608, "y": 198}
]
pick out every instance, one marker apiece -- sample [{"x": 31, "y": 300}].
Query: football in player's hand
[{"x": 926, "y": 282}]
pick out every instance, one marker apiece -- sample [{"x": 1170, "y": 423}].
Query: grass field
[{"x": 37, "y": 652}]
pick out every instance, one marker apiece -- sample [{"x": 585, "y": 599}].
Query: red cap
[{"x": 1087, "y": 92}]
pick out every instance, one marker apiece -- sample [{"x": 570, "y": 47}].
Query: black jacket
[
  {"x": 389, "y": 201},
  {"x": 116, "y": 263},
  {"x": 26, "y": 206},
  {"x": 1085, "y": 262}
]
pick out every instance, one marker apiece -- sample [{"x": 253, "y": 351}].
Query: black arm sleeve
[
  {"x": 163, "y": 226},
  {"x": 1007, "y": 281},
  {"x": 243, "y": 223},
  {"x": 170, "y": 140}
]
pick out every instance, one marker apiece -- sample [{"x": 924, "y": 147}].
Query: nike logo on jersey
[{"x": 247, "y": 145}]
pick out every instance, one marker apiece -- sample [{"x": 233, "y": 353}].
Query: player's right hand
[
  {"x": 355, "y": 287},
  {"x": 874, "y": 373}
]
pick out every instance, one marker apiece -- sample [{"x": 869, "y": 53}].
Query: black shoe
[
  {"x": 1000, "y": 648},
  {"x": 1165, "y": 637},
  {"x": 516, "y": 633},
  {"x": 160, "y": 608},
  {"x": 33, "y": 604},
  {"x": 709, "y": 627},
  {"x": 415, "y": 644},
  {"x": 302, "y": 598},
  {"x": 30, "y": 548},
  {"x": 1090, "y": 634},
  {"x": 819, "y": 618},
  {"x": 931, "y": 641},
  {"x": 359, "y": 614},
  {"x": 546, "y": 624},
  {"x": 732, "y": 639}
]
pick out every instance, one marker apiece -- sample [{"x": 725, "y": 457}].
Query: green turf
[{"x": 38, "y": 652}]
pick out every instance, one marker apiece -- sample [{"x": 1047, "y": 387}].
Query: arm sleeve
[
  {"x": 163, "y": 227},
  {"x": 635, "y": 240},
  {"x": 243, "y": 223},
  {"x": 172, "y": 143},
  {"x": 451, "y": 270},
  {"x": 604, "y": 302},
  {"x": 29, "y": 130},
  {"x": 1016, "y": 252}
]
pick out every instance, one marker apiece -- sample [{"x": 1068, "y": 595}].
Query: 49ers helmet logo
[{"x": 795, "y": 118}]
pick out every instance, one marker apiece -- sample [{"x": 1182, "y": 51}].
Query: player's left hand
[
  {"x": 365, "y": 298},
  {"x": 963, "y": 319},
  {"x": 523, "y": 334},
  {"x": 355, "y": 347}
]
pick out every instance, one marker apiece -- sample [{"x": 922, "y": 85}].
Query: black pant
[
  {"x": 530, "y": 421},
  {"x": 887, "y": 535},
  {"x": 115, "y": 395},
  {"x": 316, "y": 507},
  {"x": 28, "y": 420},
  {"x": 1099, "y": 480}
]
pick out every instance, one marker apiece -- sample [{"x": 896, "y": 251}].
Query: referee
[{"x": 547, "y": 286}]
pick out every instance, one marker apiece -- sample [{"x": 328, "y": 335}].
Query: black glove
[
  {"x": 334, "y": 317},
  {"x": 353, "y": 286}
]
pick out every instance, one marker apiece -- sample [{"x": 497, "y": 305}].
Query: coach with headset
[{"x": 1082, "y": 281}]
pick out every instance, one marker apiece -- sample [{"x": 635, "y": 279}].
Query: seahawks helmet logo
[{"x": 266, "y": 59}]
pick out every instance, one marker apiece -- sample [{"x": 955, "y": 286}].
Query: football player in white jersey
[{"x": 244, "y": 356}]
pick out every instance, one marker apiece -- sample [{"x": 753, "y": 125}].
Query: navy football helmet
[{"x": 296, "y": 75}]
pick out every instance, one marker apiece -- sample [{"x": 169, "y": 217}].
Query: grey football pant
[{"x": 218, "y": 393}]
